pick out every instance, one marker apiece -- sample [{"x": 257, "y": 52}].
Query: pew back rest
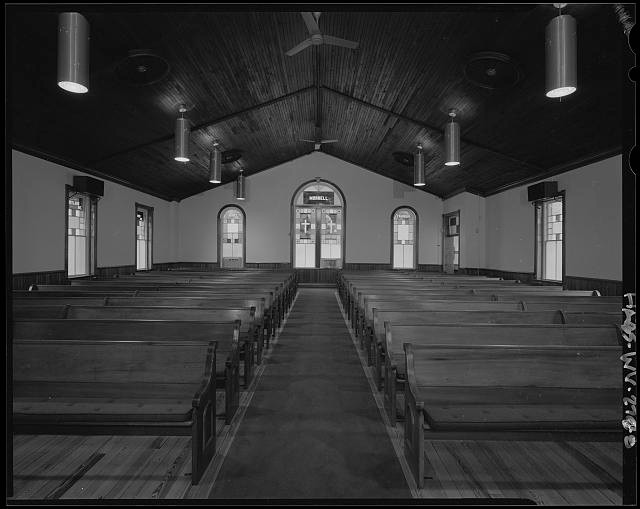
[
  {"x": 246, "y": 316},
  {"x": 575, "y": 367},
  {"x": 179, "y": 302},
  {"x": 385, "y": 304},
  {"x": 225, "y": 333},
  {"x": 463, "y": 316},
  {"x": 184, "y": 366},
  {"x": 499, "y": 334}
]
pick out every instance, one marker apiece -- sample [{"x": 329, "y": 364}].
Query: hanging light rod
[
  {"x": 215, "y": 164},
  {"x": 452, "y": 141},
  {"x": 418, "y": 168},
  {"x": 182, "y": 136},
  {"x": 73, "y": 52},
  {"x": 239, "y": 188},
  {"x": 561, "y": 55}
]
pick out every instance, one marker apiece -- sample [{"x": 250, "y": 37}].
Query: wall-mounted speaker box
[
  {"x": 543, "y": 190},
  {"x": 88, "y": 185}
]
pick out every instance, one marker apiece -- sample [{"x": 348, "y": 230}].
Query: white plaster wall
[
  {"x": 593, "y": 223},
  {"x": 472, "y": 228},
  {"x": 38, "y": 211},
  {"x": 370, "y": 200}
]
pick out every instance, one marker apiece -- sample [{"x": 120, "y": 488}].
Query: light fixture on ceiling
[
  {"x": 561, "y": 55},
  {"x": 240, "y": 190},
  {"x": 418, "y": 168},
  {"x": 182, "y": 136},
  {"x": 73, "y": 52},
  {"x": 452, "y": 141},
  {"x": 215, "y": 165}
]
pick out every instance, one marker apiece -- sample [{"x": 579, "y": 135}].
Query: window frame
[
  {"x": 292, "y": 229},
  {"x": 244, "y": 234},
  {"x": 149, "y": 211},
  {"x": 562, "y": 196},
  {"x": 445, "y": 233},
  {"x": 69, "y": 191},
  {"x": 415, "y": 240}
]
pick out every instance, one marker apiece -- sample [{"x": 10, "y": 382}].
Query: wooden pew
[
  {"x": 273, "y": 311},
  {"x": 375, "y": 333},
  {"x": 118, "y": 388},
  {"x": 226, "y": 335},
  {"x": 526, "y": 302},
  {"x": 474, "y": 334},
  {"x": 509, "y": 393},
  {"x": 251, "y": 332}
]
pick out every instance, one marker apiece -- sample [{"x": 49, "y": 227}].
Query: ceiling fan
[
  {"x": 311, "y": 20},
  {"x": 318, "y": 142}
]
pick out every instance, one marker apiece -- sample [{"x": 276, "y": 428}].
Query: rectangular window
[
  {"x": 81, "y": 234},
  {"x": 144, "y": 237},
  {"x": 451, "y": 242},
  {"x": 549, "y": 224}
]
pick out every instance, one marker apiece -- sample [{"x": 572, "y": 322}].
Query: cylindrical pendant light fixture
[
  {"x": 182, "y": 137},
  {"x": 73, "y": 52},
  {"x": 452, "y": 141},
  {"x": 418, "y": 168},
  {"x": 561, "y": 55},
  {"x": 215, "y": 165},
  {"x": 240, "y": 190}
]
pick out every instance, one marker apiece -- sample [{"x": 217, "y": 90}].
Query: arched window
[
  {"x": 318, "y": 211},
  {"x": 404, "y": 236},
  {"x": 231, "y": 237}
]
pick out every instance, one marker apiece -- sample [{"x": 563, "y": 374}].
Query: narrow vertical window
[
  {"x": 144, "y": 237},
  {"x": 549, "y": 239},
  {"x": 404, "y": 245},
  {"x": 231, "y": 237},
  {"x": 451, "y": 242},
  {"x": 81, "y": 234}
]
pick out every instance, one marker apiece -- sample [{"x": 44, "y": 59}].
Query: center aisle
[{"x": 312, "y": 429}]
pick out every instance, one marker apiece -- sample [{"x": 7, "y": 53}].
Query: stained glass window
[
  {"x": 404, "y": 239},
  {"x": 549, "y": 239},
  {"x": 81, "y": 221},
  {"x": 232, "y": 238}
]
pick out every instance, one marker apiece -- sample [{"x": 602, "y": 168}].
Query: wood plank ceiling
[{"x": 388, "y": 95}]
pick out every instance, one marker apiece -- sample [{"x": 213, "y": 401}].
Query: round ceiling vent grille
[
  {"x": 492, "y": 70},
  {"x": 142, "y": 67},
  {"x": 404, "y": 158},
  {"x": 230, "y": 156}
]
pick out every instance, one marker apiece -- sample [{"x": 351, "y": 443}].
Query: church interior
[{"x": 377, "y": 253}]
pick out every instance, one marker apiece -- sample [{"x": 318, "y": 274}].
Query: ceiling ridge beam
[
  {"x": 206, "y": 124},
  {"x": 431, "y": 127}
]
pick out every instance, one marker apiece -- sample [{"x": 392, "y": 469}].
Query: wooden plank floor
[{"x": 129, "y": 467}]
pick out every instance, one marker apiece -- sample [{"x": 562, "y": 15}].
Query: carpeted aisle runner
[{"x": 312, "y": 429}]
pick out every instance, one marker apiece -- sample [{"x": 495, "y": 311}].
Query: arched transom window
[
  {"x": 404, "y": 245},
  {"x": 231, "y": 237},
  {"x": 318, "y": 224}
]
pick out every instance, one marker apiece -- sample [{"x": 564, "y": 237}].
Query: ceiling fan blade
[
  {"x": 337, "y": 41},
  {"x": 310, "y": 21},
  {"x": 310, "y": 141},
  {"x": 296, "y": 49},
  {"x": 328, "y": 141}
]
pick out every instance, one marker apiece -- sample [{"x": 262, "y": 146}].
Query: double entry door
[{"x": 319, "y": 233}]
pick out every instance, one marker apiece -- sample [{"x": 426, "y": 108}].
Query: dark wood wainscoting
[
  {"x": 111, "y": 272},
  {"x": 609, "y": 287},
  {"x": 23, "y": 280}
]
